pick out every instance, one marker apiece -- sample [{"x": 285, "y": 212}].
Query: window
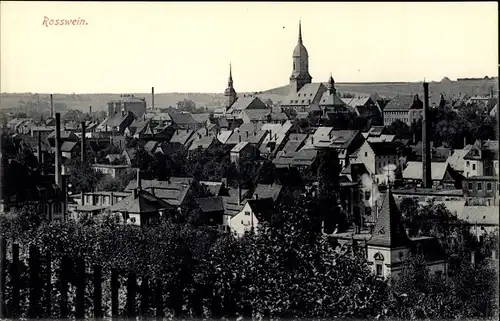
[
  {"x": 366, "y": 154},
  {"x": 302, "y": 101},
  {"x": 379, "y": 269},
  {"x": 470, "y": 187},
  {"x": 247, "y": 213},
  {"x": 298, "y": 95},
  {"x": 473, "y": 167},
  {"x": 467, "y": 163},
  {"x": 367, "y": 195},
  {"x": 479, "y": 186},
  {"x": 132, "y": 219},
  {"x": 488, "y": 187}
]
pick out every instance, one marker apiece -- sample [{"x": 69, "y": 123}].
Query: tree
[
  {"x": 186, "y": 105},
  {"x": 118, "y": 184},
  {"x": 400, "y": 129},
  {"x": 83, "y": 177}
]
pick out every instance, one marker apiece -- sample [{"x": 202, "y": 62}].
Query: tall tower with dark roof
[
  {"x": 331, "y": 86},
  {"x": 230, "y": 93},
  {"x": 300, "y": 74}
]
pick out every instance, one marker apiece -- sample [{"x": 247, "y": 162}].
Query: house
[
  {"x": 215, "y": 188},
  {"x": 294, "y": 143},
  {"x": 140, "y": 207},
  {"x": 389, "y": 245},
  {"x": 245, "y": 103},
  {"x": 127, "y": 104},
  {"x": 204, "y": 142},
  {"x": 365, "y": 107},
  {"x": 139, "y": 128},
  {"x": 183, "y": 137},
  {"x": 112, "y": 170},
  {"x": 407, "y": 109},
  {"x": 44, "y": 131},
  {"x": 211, "y": 210},
  {"x": 443, "y": 176},
  {"x": 114, "y": 158},
  {"x": 92, "y": 203},
  {"x": 456, "y": 160},
  {"x": 276, "y": 139},
  {"x": 377, "y": 134},
  {"x": 130, "y": 156},
  {"x": 481, "y": 219},
  {"x": 177, "y": 191},
  {"x": 330, "y": 102},
  {"x": 117, "y": 123},
  {"x": 224, "y": 135},
  {"x": 482, "y": 159},
  {"x": 273, "y": 191},
  {"x": 253, "y": 212},
  {"x": 254, "y": 137},
  {"x": 345, "y": 142},
  {"x": 481, "y": 190},
  {"x": 70, "y": 149},
  {"x": 242, "y": 150},
  {"x": 185, "y": 121},
  {"x": 300, "y": 101},
  {"x": 377, "y": 156}
]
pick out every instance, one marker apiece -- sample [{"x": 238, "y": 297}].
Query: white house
[{"x": 254, "y": 211}]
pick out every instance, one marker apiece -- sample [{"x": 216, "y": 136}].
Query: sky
[{"x": 187, "y": 47}]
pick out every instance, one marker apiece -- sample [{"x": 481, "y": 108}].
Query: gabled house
[
  {"x": 177, "y": 191},
  {"x": 309, "y": 94},
  {"x": 185, "y": 121},
  {"x": 242, "y": 150},
  {"x": 482, "y": 159},
  {"x": 330, "y": 102},
  {"x": 377, "y": 156},
  {"x": 70, "y": 149},
  {"x": 203, "y": 142},
  {"x": 211, "y": 211},
  {"x": 254, "y": 211},
  {"x": 366, "y": 107},
  {"x": 276, "y": 138},
  {"x": 183, "y": 137},
  {"x": 273, "y": 191},
  {"x": 245, "y": 103},
  {"x": 443, "y": 176},
  {"x": 377, "y": 134},
  {"x": 407, "y": 109},
  {"x": 117, "y": 123}
]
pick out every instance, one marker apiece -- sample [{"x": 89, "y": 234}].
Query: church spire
[
  {"x": 230, "y": 80},
  {"x": 300, "y": 32}
]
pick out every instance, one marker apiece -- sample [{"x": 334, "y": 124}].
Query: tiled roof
[
  {"x": 254, "y": 138},
  {"x": 224, "y": 136},
  {"x": 151, "y": 146},
  {"x": 328, "y": 100},
  {"x": 182, "y": 137},
  {"x": 243, "y": 103},
  {"x": 210, "y": 204},
  {"x": 402, "y": 103},
  {"x": 294, "y": 142},
  {"x": 144, "y": 203},
  {"x": 231, "y": 206},
  {"x": 257, "y": 114},
  {"x": 173, "y": 191},
  {"x": 304, "y": 157},
  {"x": 201, "y": 118},
  {"x": 182, "y": 119},
  {"x": 214, "y": 188},
  {"x": 305, "y": 96},
  {"x": 68, "y": 146},
  {"x": 267, "y": 191},
  {"x": 389, "y": 230},
  {"x": 203, "y": 142},
  {"x": 414, "y": 170},
  {"x": 263, "y": 208},
  {"x": 239, "y": 147}
]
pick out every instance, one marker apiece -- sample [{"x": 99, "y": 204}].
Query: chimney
[
  {"x": 153, "y": 190},
  {"x": 51, "y": 107},
  {"x": 83, "y": 141},
  {"x": 239, "y": 138},
  {"x": 426, "y": 152},
  {"x": 152, "y": 98},
  {"x": 239, "y": 193},
  {"x": 39, "y": 148},
  {"x": 139, "y": 185},
  {"x": 90, "y": 111},
  {"x": 82, "y": 198},
  {"x": 247, "y": 134},
  {"x": 58, "y": 178}
]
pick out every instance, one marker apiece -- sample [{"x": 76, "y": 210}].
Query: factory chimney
[
  {"x": 58, "y": 151},
  {"x": 51, "y": 106},
  {"x": 152, "y": 98},
  {"x": 426, "y": 146},
  {"x": 83, "y": 141},
  {"x": 39, "y": 148},
  {"x": 90, "y": 111}
]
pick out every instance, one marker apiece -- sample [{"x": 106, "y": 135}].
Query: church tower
[
  {"x": 331, "y": 86},
  {"x": 300, "y": 74},
  {"x": 230, "y": 93}
]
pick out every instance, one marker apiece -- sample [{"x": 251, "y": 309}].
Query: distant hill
[
  {"x": 211, "y": 100},
  {"x": 390, "y": 89}
]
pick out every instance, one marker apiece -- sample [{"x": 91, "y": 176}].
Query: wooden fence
[{"x": 39, "y": 287}]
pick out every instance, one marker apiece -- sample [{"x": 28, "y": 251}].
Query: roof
[
  {"x": 262, "y": 208},
  {"x": 305, "y": 96},
  {"x": 210, "y": 204},
  {"x": 145, "y": 202},
  {"x": 183, "y": 119},
  {"x": 384, "y": 148},
  {"x": 328, "y": 99},
  {"x": 254, "y": 138},
  {"x": 389, "y": 230},
  {"x": 213, "y": 188},
  {"x": 480, "y": 215},
  {"x": 68, "y": 146},
  {"x": 242, "y": 103},
  {"x": 231, "y": 206},
  {"x": 356, "y": 101},
  {"x": 403, "y": 103},
  {"x": 201, "y": 118},
  {"x": 327, "y": 137},
  {"x": 414, "y": 170},
  {"x": 304, "y": 157},
  {"x": 182, "y": 136},
  {"x": 456, "y": 160},
  {"x": 173, "y": 191},
  {"x": 267, "y": 191},
  {"x": 257, "y": 114},
  {"x": 204, "y": 142},
  {"x": 239, "y": 147},
  {"x": 224, "y": 136},
  {"x": 294, "y": 142},
  {"x": 118, "y": 119}
]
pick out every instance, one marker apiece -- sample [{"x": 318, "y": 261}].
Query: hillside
[{"x": 211, "y": 100}]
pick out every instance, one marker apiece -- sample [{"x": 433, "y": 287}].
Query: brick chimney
[
  {"x": 426, "y": 146},
  {"x": 58, "y": 178},
  {"x": 39, "y": 148},
  {"x": 83, "y": 142},
  {"x": 90, "y": 111},
  {"x": 152, "y": 98},
  {"x": 51, "y": 107}
]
